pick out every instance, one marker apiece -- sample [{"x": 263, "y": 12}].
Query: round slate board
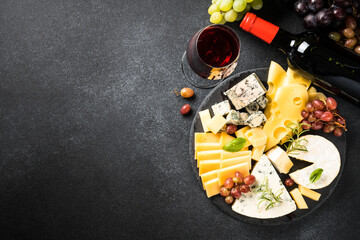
[{"x": 215, "y": 96}]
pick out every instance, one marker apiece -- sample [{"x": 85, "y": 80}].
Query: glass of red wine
[{"x": 211, "y": 55}]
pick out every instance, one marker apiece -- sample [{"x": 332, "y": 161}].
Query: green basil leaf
[
  {"x": 235, "y": 145},
  {"x": 315, "y": 175}
]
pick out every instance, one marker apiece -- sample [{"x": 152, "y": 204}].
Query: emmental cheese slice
[
  {"x": 228, "y": 155},
  {"x": 299, "y": 200},
  {"x": 241, "y": 133},
  {"x": 208, "y": 166},
  {"x": 309, "y": 193},
  {"x": 280, "y": 159},
  {"x": 234, "y": 161},
  {"x": 206, "y": 147},
  {"x": 227, "y": 172},
  {"x": 256, "y": 136},
  {"x": 257, "y": 152},
  {"x": 212, "y": 187},
  {"x": 225, "y": 138},
  {"x": 216, "y": 123},
  {"x": 205, "y": 117},
  {"x": 208, "y": 176}
]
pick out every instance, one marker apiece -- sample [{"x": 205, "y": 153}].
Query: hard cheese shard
[
  {"x": 247, "y": 204},
  {"x": 323, "y": 154}
]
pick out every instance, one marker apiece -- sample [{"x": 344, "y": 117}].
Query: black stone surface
[{"x": 92, "y": 142}]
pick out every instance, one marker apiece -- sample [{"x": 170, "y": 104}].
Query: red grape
[
  {"x": 331, "y": 103},
  {"x": 245, "y": 188},
  {"x": 326, "y": 116},
  {"x": 324, "y": 17},
  {"x": 249, "y": 179},
  {"x": 340, "y": 120},
  {"x": 289, "y": 182},
  {"x": 311, "y": 117},
  {"x": 318, "y": 113},
  {"x": 338, "y": 132},
  {"x": 229, "y": 199},
  {"x": 350, "y": 22},
  {"x": 185, "y": 109},
  {"x": 301, "y": 7},
  {"x": 309, "y": 21},
  {"x": 348, "y": 33},
  {"x": 304, "y": 114},
  {"x": 229, "y": 183},
  {"x": 231, "y": 128},
  {"x": 328, "y": 128},
  {"x": 224, "y": 192},
  {"x": 315, "y": 5},
  {"x": 339, "y": 13},
  {"x": 306, "y": 125},
  {"x": 236, "y": 192},
  {"x": 309, "y": 107},
  {"x": 318, "y": 104},
  {"x": 239, "y": 176},
  {"x": 317, "y": 125}
]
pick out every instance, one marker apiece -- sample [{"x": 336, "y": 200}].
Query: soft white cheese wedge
[
  {"x": 247, "y": 204},
  {"x": 323, "y": 154}
]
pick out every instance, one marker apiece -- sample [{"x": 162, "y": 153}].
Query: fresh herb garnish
[
  {"x": 296, "y": 144},
  {"x": 267, "y": 195},
  {"x": 235, "y": 145},
  {"x": 315, "y": 175}
]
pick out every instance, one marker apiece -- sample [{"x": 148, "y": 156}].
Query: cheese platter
[{"x": 275, "y": 185}]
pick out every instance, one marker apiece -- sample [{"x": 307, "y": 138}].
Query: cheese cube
[
  {"x": 234, "y": 161},
  {"x": 280, "y": 159},
  {"x": 208, "y": 166},
  {"x": 212, "y": 187},
  {"x": 225, "y": 138},
  {"x": 257, "y": 152},
  {"x": 206, "y": 138},
  {"x": 256, "y": 136},
  {"x": 241, "y": 133},
  {"x": 208, "y": 155},
  {"x": 242, "y": 153},
  {"x": 299, "y": 200},
  {"x": 252, "y": 107},
  {"x": 205, "y": 117},
  {"x": 221, "y": 108},
  {"x": 262, "y": 101},
  {"x": 255, "y": 119},
  {"x": 307, "y": 192},
  {"x": 234, "y": 118},
  {"x": 227, "y": 172},
  {"x": 208, "y": 176},
  {"x": 216, "y": 123},
  {"x": 206, "y": 147}
]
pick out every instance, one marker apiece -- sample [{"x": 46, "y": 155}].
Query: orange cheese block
[
  {"x": 206, "y": 138},
  {"x": 208, "y": 176},
  {"x": 225, "y": 138},
  {"x": 228, "y": 155},
  {"x": 206, "y": 147},
  {"x": 208, "y": 155},
  {"x": 212, "y": 187},
  {"x": 208, "y": 166},
  {"x": 234, "y": 161},
  {"x": 227, "y": 172}
]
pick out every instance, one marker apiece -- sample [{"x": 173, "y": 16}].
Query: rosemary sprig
[
  {"x": 296, "y": 144},
  {"x": 267, "y": 195}
]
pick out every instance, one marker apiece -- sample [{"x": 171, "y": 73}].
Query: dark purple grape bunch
[{"x": 323, "y": 115}]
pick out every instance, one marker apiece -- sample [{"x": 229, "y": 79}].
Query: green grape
[
  {"x": 213, "y": 8},
  {"x": 257, "y": 4},
  {"x": 249, "y": 1},
  {"x": 240, "y": 16},
  {"x": 216, "y": 2},
  {"x": 231, "y": 15},
  {"x": 216, "y": 17},
  {"x": 226, "y": 5},
  {"x": 239, "y": 5},
  {"x": 223, "y": 21}
]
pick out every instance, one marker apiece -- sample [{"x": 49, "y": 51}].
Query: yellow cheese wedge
[
  {"x": 225, "y": 138},
  {"x": 206, "y": 138},
  {"x": 293, "y": 77},
  {"x": 208, "y": 155},
  {"x": 228, "y": 155},
  {"x": 225, "y": 173},
  {"x": 208, "y": 176},
  {"x": 256, "y": 136},
  {"x": 216, "y": 123},
  {"x": 309, "y": 193},
  {"x": 257, "y": 152},
  {"x": 312, "y": 90},
  {"x": 234, "y": 161},
  {"x": 299, "y": 200},
  {"x": 241, "y": 133},
  {"x": 206, "y": 147},
  {"x": 212, "y": 187},
  {"x": 208, "y": 166},
  {"x": 205, "y": 117}
]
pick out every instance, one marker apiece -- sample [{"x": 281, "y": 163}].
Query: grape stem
[
  {"x": 176, "y": 92},
  {"x": 339, "y": 124}
]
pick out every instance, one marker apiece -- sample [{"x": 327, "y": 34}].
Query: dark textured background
[{"x": 91, "y": 140}]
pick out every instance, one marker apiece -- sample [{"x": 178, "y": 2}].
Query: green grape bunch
[{"x": 222, "y": 11}]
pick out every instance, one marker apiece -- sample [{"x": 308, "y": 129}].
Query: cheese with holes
[
  {"x": 228, "y": 155},
  {"x": 225, "y": 138},
  {"x": 234, "y": 161},
  {"x": 246, "y": 91},
  {"x": 208, "y": 166},
  {"x": 206, "y": 147},
  {"x": 256, "y": 136},
  {"x": 241, "y": 133},
  {"x": 257, "y": 152},
  {"x": 205, "y": 117},
  {"x": 216, "y": 123},
  {"x": 212, "y": 187},
  {"x": 227, "y": 172},
  {"x": 300, "y": 201},
  {"x": 249, "y": 204},
  {"x": 221, "y": 108},
  {"x": 309, "y": 193},
  {"x": 280, "y": 159},
  {"x": 208, "y": 176}
]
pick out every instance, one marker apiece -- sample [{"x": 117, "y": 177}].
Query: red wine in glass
[{"x": 212, "y": 54}]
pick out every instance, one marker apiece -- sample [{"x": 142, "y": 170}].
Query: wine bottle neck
[{"x": 284, "y": 40}]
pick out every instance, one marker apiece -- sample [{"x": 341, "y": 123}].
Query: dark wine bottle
[{"x": 329, "y": 65}]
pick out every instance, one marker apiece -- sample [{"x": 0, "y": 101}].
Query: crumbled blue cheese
[
  {"x": 221, "y": 108},
  {"x": 246, "y": 91},
  {"x": 256, "y": 119},
  {"x": 262, "y": 101},
  {"x": 243, "y": 118},
  {"x": 233, "y": 117},
  {"x": 252, "y": 107}
]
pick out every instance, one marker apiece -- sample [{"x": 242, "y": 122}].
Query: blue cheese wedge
[
  {"x": 246, "y": 91},
  {"x": 248, "y": 204},
  {"x": 262, "y": 101},
  {"x": 256, "y": 119},
  {"x": 252, "y": 107},
  {"x": 221, "y": 108}
]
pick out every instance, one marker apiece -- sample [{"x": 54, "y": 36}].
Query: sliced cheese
[
  {"x": 280, "y": 159},
  {"x": 205, "y": 117},
  {"x": 208, "y": 176},
  {"x": 257, "y": 152},
  {"x": 300, "y": 201},
  {"x": 212, "y": 187},
  {"x": 208, "y": 155},
  {"x": 206, "y": 138},
  {"x": 225, "y": 138},
  {"x": 309, "y": 193},
  {"x": 206, "y": 147},
  {"x": 234, "y": 161},
  {"x": 216, "y": 123},
  {"x": 227, "y": 155},
  {"x": 256, "y": 136},
  {"x": 208, "y": 166},
  {"x": 241, "y": 133},
  {"x": 228, "y": 172}
]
